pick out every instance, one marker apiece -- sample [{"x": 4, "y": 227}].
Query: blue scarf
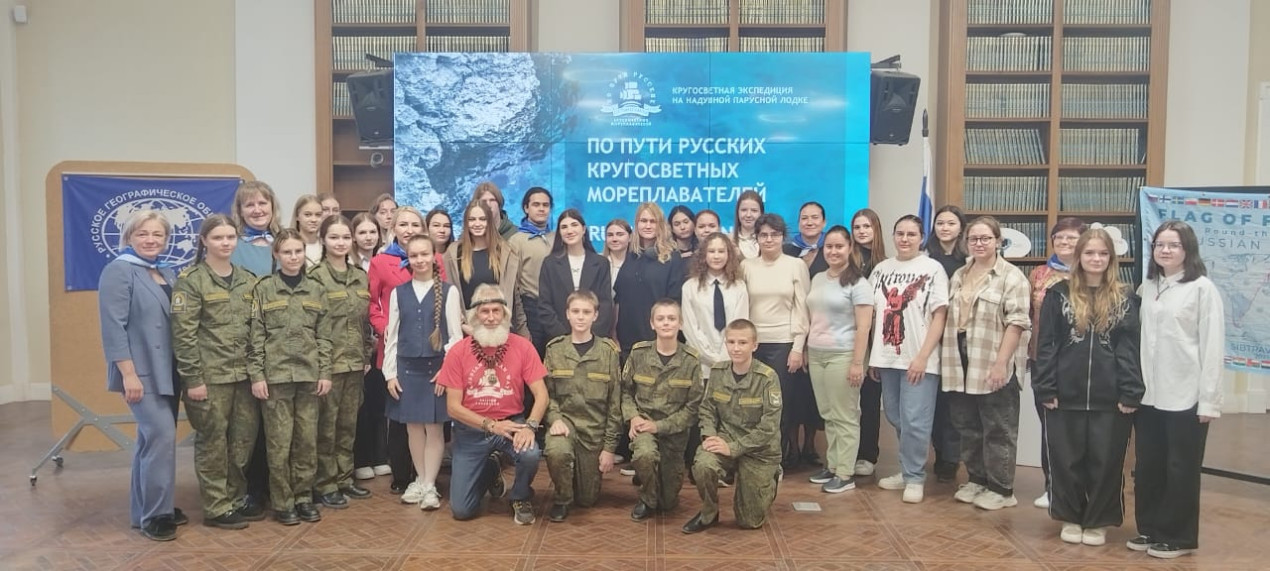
[
  {"x": 250, "y": 234},
  {"x": 132, "y": 257},
  {"x": 1057, "y": 264},
  {"x": 394, "y": 249},
  {"x": 530, "y": 228},
  {"x": 802, "y": 245}
]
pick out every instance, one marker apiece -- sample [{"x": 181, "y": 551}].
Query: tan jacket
[{"x": 508, "y": 282}]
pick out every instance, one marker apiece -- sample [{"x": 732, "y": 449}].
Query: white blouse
[
  {"x": 698, "y": 316},
  {"x": 1183, "y": 344},
  {"x": 453, "y": 322}
]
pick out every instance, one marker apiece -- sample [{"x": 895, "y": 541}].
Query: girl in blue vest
[{"x": 424, "y": 320}]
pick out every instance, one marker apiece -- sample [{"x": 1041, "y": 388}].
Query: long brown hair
[
  {"x": 736, "y": 215},
  {"x": 700, "y": 270},
  {"x": 620, "y": 223},
  {"x": 379, "y": 236},
  {"x": 437, "y": 306},
  {"x": 663, "y": 241},
  {"x": 210, "y": 223},
  {"x": 335, "y": 220},
  {"x": 1099, "y": 309},
  {"x": 1192, "y": 265},
  {"x": 493, "y": 242},
  {"x": 877, "y": 248},
  {"x": 853, "y": 272}
]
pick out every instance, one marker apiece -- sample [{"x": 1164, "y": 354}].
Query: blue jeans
[
  {"x": 911, "y": 410},
  {"x": 469, "y": 476}
]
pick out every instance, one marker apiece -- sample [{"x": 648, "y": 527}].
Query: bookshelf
[
  {"x": 734, "y": 25},
  {"x": 347, "y": 29},
  {"x": 1052, "y": 108}
]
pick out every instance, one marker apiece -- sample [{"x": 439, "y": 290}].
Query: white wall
[{"x": 577, "y": 26}]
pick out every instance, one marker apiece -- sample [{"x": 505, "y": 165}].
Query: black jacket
[
  {"x": 644, "y": 280},
  {"x": 818, "y": 264},
  {"x": 555, "y": 283},
  {"x": 1087, "y": 370}
]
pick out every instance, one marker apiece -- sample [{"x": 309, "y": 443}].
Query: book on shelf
[
  {"x": 1005, "y": 193},
  {"x": 704, "y": 12},
  {"x": 349, "y": 52},
  {"x": 1009, "y": 52},
  {"x": 712, "y": 44},
  {"x": 1007, "y": 100},
  {"x": 1114, "y": 54},
  {"x": 1125, "y": 272},
  {"x": 468, "y": 43},
  {"x": 341, "y": 105},
  {"x": 373, "y": 11},
  {"x": 468, "y": 11},
  {"x": 1123, "y": 146},
  {"x": 1104, "y": 101},
  {"x": 1004, "y": 147},
  {"x": 1086, "y": 12},
  {"x": 783, "y": 12},
  {"x": 762, "y": 44},
  {"x": 1099, "y": 194},
  {"x": 1010, "y": 11}
]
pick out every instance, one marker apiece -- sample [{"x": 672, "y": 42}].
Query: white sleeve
[
  {"x": 1212, "y": 349},
  {"x": 390, "y": 337},
  {"x": 453, "y": 317},
  {"x": 939, "y": 290},
  {"x": 692, "y": 326},
  {"x": 800, "y": 320}
]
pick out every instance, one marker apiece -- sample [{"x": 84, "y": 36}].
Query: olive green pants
[
  {"x": 225, "y": 425},
  {"x": 337, "y": 429}
]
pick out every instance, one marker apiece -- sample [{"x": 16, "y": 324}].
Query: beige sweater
[{"x": 778, "y": 299}]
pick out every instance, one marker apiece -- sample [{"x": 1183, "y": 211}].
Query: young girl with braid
[{"x": 424, "y": 320}]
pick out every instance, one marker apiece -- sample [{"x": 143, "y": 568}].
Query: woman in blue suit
[{"x": 135, "y": 298}]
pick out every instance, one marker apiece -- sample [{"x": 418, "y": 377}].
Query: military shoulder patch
[
  {"x": 689, "y": 349},
  {"x": 774, "y": 397},
  {"x": 642, "y": 345},
  {"x": 557, "y": 340},
  {"x": 610, "y": 343},
  {"x": 178, "y": 302}
]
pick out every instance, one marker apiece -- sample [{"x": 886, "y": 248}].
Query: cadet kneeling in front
[{"x": 740, "y": 430}]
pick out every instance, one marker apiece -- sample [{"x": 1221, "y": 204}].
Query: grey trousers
[{"x": 988, "y": 426}]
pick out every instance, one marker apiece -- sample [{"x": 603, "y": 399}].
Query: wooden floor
[{"x": 76, "y": 518}]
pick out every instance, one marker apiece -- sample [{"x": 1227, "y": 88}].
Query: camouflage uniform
[
  {"x": 668, "y": 395},
  {"x": 210, "y": 320},
  {"x": 291, "y": 350},
  {"x": 352, "y": 348},
  {"x": 745, "y": 413},
  {"x": 585, "y": 394}
]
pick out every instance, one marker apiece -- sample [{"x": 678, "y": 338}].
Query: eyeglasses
[
  {"x": 1167, "y": 245},
  {"x": 1064, "y": 238},
  {"x": 981, "y": 239},
  {"x": 769, "y": 236}
]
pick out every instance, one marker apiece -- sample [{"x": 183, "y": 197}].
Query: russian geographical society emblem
[
  {"x": 631, "y": 99},
  {"x": 185, "y": 212}
]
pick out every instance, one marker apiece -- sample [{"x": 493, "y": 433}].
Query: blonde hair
[
  {"x": 248, "y": 190},
  {"x": 663, "y": 241},
  {"x": 396, "y": 216},
  {"x": 137, "y": 219},
  {"x": 301, "y": 202},
  {"x": 699, "y": 270},
  {"x": 493, "y": 242},
  {"x": 1100, "y": 309}
]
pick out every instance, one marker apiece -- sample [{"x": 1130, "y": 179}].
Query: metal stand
[{"x": 86, "y": 418}]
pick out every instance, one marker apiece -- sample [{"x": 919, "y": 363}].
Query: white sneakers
[
  {"x": 1071, "y": 533},
  {"x": 913, "y": 493},
  {"x": 1094, "y": 536},
  {"x": 863, "y": 468},
  {"x": 968, "y": 491},
  {"x": 1042, "y": 502},
  {"x": 895, "y": 482},
  {"x": 414, "y": 493},
  {"x": 382, "y": 470},
  {"x": 431, "y": 499},
  {"x": 992, "y": 501},
  {"x": 364, "y": 473}
]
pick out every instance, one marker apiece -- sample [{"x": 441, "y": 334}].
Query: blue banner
[
  {"x": 96, "y": 208},
  {"x": 1232, "y": 232},
  {"x": 605, "y": 132}
]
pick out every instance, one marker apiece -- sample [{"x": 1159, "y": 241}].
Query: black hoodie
[{"x": 1086, "y": 370}]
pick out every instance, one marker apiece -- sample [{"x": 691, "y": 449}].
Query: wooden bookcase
[
  {"x": 350, "y": 27},
  {"x": 1088, "y": 112},
  {"x": 734, "y": 25}
]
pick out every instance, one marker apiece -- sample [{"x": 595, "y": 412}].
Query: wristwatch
[{"x": 533, "y": 424}]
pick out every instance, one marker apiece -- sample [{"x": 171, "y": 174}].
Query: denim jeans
[
  {"x": 469, "y": 477},
  {"x": 911, "y": 410}
]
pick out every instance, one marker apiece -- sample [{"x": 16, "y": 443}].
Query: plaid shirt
[{"x": 1003, "y": 300}]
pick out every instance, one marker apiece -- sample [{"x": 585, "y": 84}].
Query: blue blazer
[{"x": 134, "y": 325}]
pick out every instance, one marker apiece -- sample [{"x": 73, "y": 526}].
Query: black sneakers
[{"x": 228, "y": 520}]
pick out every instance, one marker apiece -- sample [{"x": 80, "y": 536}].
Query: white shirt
[
  {"x": 698, "y": 316},
  {"x": 312, "y": 254},
  {"x": 748, "y": 246},
  {"x": 575, "y": 269},
  {"x": 453, "y": 322},
  {"x": 1183, "y": 344},
  {"x": 905, "y": 297}
]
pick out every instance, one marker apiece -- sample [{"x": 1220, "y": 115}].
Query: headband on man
[{"x": 482, "y": 301}]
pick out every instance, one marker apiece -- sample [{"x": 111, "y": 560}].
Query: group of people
[{"x": 335, "y": 350}]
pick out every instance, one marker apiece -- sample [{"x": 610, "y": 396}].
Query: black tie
[{"x": 720, "y": 317}]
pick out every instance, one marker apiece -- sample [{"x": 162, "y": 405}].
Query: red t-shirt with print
[{"x": 505, "y": 398}]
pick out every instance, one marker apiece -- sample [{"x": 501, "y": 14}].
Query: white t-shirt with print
[{"x": 905, "y": 295}]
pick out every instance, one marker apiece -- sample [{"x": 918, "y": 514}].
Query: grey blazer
[{"x": 134, "y": 325}]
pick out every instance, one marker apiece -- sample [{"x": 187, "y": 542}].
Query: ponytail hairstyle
[
  {"x": 327, "y": 223},
  {"x": 210, "y": 223},
  {"x": 853, "y": 272},
  {"x": 438, "y": 307},
  {"x": 1102, "y": 308}
]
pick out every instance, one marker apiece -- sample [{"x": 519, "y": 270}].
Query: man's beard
[{"x": 491, "y": 337}]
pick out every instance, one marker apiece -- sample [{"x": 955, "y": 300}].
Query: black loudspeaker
[
  {"x": 894, "y": 101},
  {"x": 370, "y": 93}
]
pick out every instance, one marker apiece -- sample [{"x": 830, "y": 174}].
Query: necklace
[{"x": 489, "y": 378}]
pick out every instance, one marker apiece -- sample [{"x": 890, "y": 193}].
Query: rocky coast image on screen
[{"x": 605, "y": 132}]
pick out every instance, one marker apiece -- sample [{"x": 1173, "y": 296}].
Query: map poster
[{"x": 1234, "y": 231}]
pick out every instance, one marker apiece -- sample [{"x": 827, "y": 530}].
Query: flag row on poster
[
  {"x": 686, "y": 11},
  {"x": 341, "y": 105},
  {"x": 468, "y": 11},
  {"x": 1005, "y": 193},
  {"x": 349, "y": 52},
  {"x": 1102, "y": 146},
  {"x": 783, "y": 11},
  {"x": 468, "y": 43},
  {"x": 373, "y": 11},
  {"x": 1130, "y": 53},
  {"x": 1009, "y": 53},
  {"x": 1007, "y": 100},
  {"x": 715, "y": 44},
  {"x": 760, "y": 44},
  {"x": 1106, "y": 11},
  {"x": 1099, "y": 194},
  {"x": 1010, "y": 11},
  {"x": 1104, "y": 101},
  {"x": 1004, "y": 147}
]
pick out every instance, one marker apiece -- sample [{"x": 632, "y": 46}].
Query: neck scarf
[
  {"x": 251, "y": 234},
  {"x": 532, "y": 229},
  {"x": 132, "y": 257},
  {"x": 804, "y": 247},
  {"x": 394, "y": 249},
  {"x": 1057, "y": 264}
]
